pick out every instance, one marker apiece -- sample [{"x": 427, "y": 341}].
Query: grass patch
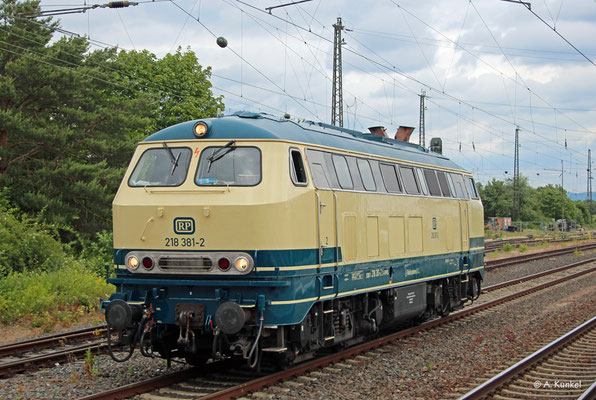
[
  {"x": 45, "y": 298},
  {"x": 523, "y": 247},
  {"x": 507, "y": 247}
]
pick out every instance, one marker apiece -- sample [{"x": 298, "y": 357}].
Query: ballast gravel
[{"x": 440, "y": 363}]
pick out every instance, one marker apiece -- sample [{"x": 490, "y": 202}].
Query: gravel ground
[
  {"x": 70, "y": 381},
  {"x": 428, "y": 366}
]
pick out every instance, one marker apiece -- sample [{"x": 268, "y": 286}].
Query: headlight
[
  {"x": 133, "y": 262},
  {"x": 200, "y": 129},
  {"x": 241, "y": 264}
]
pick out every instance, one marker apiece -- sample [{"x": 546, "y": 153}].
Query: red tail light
[
  {"x": 147, "y": 262},
  {"x": 223, "y": 264}
]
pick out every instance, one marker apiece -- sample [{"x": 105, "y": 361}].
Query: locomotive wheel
[
  {"x": 446, "y": 306},
  {"x": 478, "y": 287},
  {"x": 474, "y": 289}
]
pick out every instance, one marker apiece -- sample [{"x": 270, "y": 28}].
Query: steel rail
[
  {"x": 501, "y": 262},
  {"x": 537, "y": 275},
  {"x": 498, "y": 244},
  {"x": 589, "y": 394},
  {"x": 505, "y": 376},
  {"x": 51, "y": 340},
  {"x": 145, "y": 386},
  {"x": 12, "y": 367},
  {"x": 158, "y": 382}
]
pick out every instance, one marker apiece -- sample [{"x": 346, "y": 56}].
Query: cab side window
[{"x": 297, "y": 171}]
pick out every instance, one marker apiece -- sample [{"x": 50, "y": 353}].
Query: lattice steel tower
[
  {"x": 516, "y": 195},
  {"x": 337, "y": 108},
  {"x": 421, "y": 129}
]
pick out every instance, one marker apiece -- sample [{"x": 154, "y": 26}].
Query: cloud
[{"x": 394, "y": 49}]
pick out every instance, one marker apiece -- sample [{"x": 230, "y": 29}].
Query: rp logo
[
  {"x": 184, "y": 226},
  {"x": 435, "y": 223}
]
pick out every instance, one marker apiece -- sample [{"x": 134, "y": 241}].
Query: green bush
[
  {"x": 31, "y": 294},
  {"x": 98, "y": 253},
  {"x": 25, "y": 245},
  {"x": 523, "y": 247},
  {"x": 507, "y": 247}
]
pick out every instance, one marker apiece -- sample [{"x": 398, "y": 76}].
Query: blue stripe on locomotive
[{"x": 290, "y": 294}]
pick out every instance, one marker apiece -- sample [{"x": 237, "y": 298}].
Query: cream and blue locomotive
[{"x": 253, "y": 236}]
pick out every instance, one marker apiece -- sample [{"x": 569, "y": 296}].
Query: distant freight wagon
[{"x": 499, "y": 223}]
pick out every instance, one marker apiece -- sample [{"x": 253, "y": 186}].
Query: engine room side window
[
  {"x": 472, "y": 188},
  {"x": 229, "y": 165},
  {"x": 451, "y": 185},
  {"x": 443, "y": 183},
  {"x": 422, "y": 181},
  {"x": 376, "y": 171},
  {"x": 318, "y": 169},
  {"x": 163, "y": 166},
  {"x": 433, "y": 182},
  {"x": 342, "y": 171},
  {"x": 410, "y": 184},
  {"x": 366, "y": 175},
  {"x": 318, "y": 175},
  {"x": 297, "y": 171},
  {"x": 355, "y": 173},
  {"x": 390, "y": 178},
  {"x": 458, "y": 182}
]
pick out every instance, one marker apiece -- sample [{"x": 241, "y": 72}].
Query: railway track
[
  {"x": 30, "y": 354},
  {"x": 21, "y": 356},
  {"x": 503, "y": 262},
  {"x": 516, "y": 242},
  {"x": 197, "y": 388},
  {"x": 565, "y": 368}
]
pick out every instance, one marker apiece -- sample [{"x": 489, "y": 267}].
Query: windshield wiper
[
  {"x": 219, "y": 153},
  {"x": 174, "y": 159}
]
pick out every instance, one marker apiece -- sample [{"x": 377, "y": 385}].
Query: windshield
[
  {"x": 165, "y": 166},
  {"x": 229, "y": 165}
]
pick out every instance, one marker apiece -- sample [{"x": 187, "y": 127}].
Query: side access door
[{"x": 464, "y": 220}]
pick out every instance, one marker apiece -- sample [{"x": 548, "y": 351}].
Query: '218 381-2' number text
[{"x": 184, "y": 242}]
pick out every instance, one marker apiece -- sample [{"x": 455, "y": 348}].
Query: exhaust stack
[
  {"x": 378, "y": 131},
  {"x": 403, "y": 133}
]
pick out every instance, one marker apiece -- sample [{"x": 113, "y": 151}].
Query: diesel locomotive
[{"x": 254, "y": 236}]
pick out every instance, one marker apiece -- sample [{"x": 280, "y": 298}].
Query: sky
[{"x": 488, "y": 67}]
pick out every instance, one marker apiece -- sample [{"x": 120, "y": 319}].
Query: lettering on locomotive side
[
  {"x": 410, "y": 297},
  {"x": 434, "y": 234},
  {"x": 412, "y": 271},
  {"x": 184, "y": 226},
  {"x": 357, "y": 275},
  {"x": 374, "y": 273},
  {"x": 354, "y": 276}
]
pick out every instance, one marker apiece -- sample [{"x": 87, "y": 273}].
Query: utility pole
[
  {"x": 516, "y": 196},
  {"x": 589, "y": 189},
  {"x": 337, "y": 110},
  {"x": 421, "y": 126},
  {"x": 562, "y": 194}
]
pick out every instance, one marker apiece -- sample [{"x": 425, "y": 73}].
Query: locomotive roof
[{"x": 245, "y": 125}]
